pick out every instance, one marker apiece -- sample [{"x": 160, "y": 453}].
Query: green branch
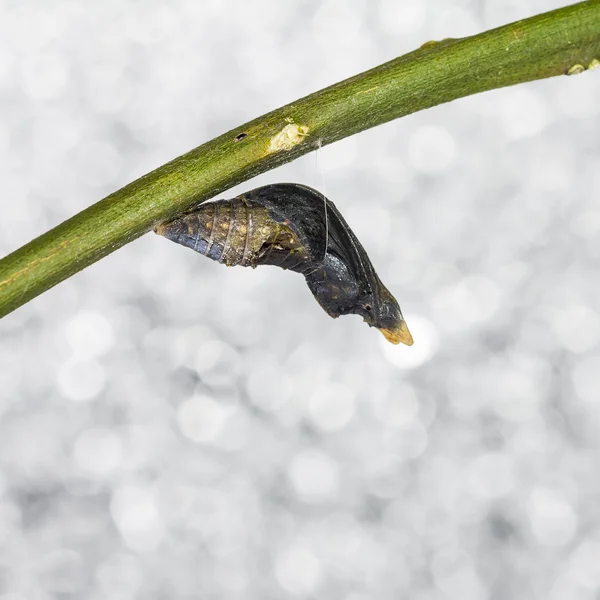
[{"x": 564, "y": 41}]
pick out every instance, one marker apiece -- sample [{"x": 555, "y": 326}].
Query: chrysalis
[{"x": 294, "y": 227}]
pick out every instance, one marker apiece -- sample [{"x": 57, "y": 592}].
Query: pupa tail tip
[{"x": 160, "y": 229}]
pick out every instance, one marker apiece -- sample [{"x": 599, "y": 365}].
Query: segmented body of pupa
[
  {"x": 238, "y": 232},
  {"x": 294, "y": 227}
]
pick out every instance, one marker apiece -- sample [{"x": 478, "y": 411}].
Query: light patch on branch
[
  {"x": 576, "y": 69},
  {"x": 290, "y": 136}
]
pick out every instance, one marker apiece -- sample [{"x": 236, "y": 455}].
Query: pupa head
[
  {"x": 339, "y": 293},
  {"x": 385, "y": 314}
]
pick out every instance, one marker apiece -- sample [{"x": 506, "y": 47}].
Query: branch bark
[{"x": 564, "y": 41}]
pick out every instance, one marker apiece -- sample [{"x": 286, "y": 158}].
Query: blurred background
[{"x": 171, "y": 428}]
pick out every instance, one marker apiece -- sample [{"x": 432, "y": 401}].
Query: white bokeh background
[{"x": 170, "y": 428}]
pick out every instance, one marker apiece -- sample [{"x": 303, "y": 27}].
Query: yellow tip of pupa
[{"x": 400, "y": 334}]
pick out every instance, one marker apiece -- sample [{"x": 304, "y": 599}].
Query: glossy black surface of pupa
[{"x": 294, "y": 227}]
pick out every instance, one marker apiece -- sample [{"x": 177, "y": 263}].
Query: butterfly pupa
[{"x": 294, "y": 227}]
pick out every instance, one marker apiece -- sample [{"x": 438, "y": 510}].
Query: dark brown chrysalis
[{"x": 294, "y": 227}]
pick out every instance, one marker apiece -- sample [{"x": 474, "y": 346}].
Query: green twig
[{"x": 563, "y": 41}]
